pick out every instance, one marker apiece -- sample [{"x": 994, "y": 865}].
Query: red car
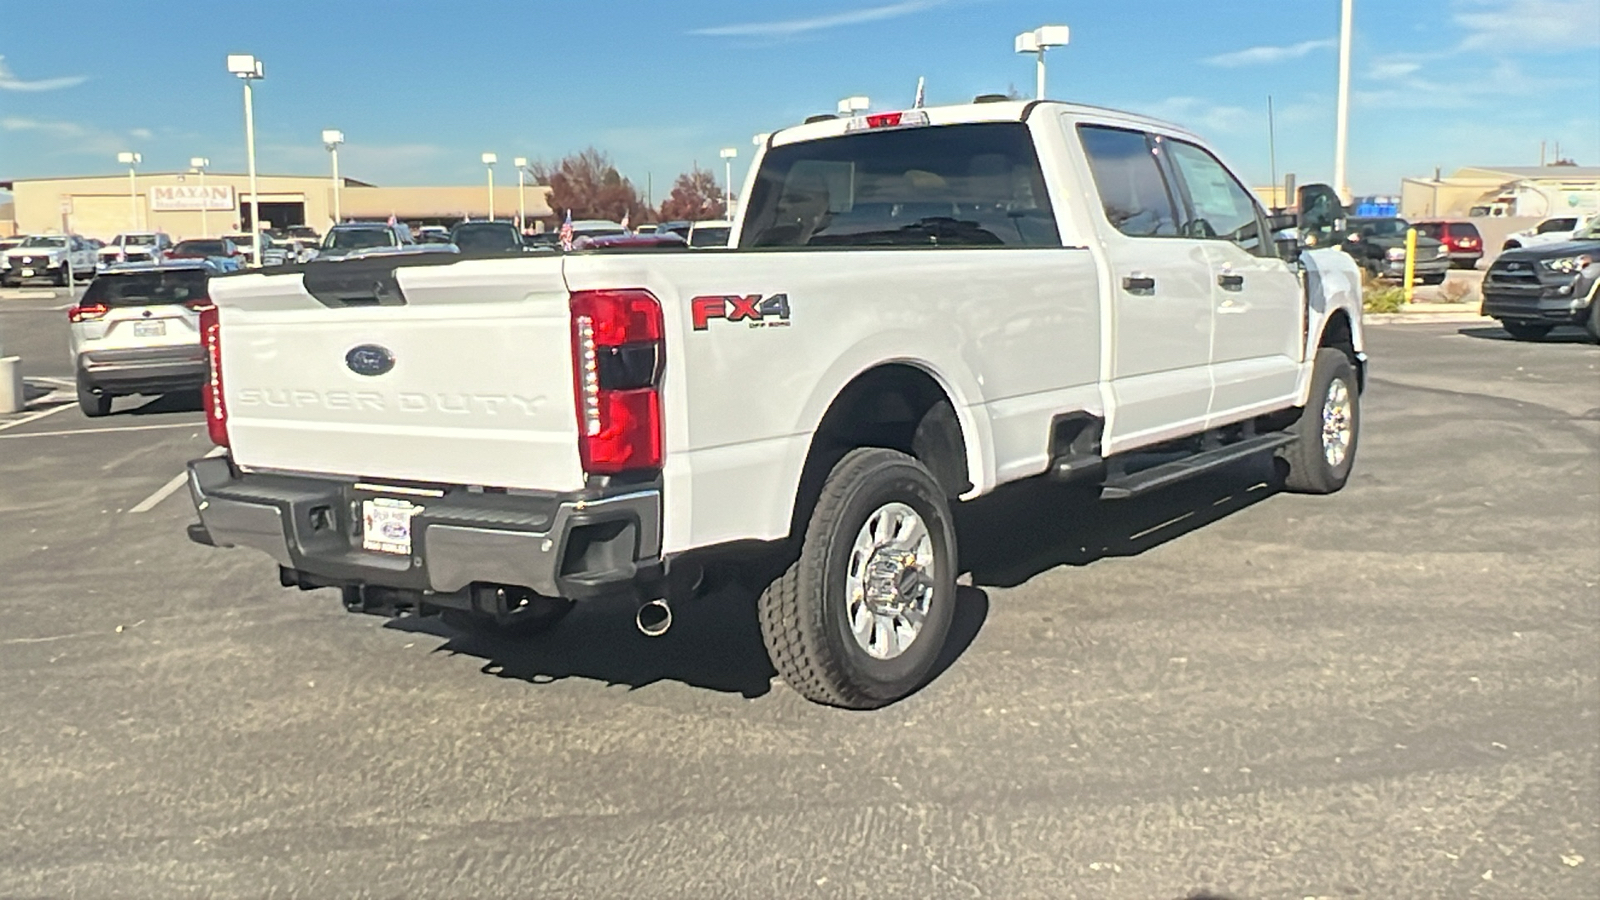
[{"x": 1460, "y": 239}]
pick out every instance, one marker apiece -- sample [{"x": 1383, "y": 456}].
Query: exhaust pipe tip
[{"x": 654, "y": 618}]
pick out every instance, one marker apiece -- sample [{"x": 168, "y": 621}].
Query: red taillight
[
  {"x": 884, "y": 120},
  {"x": 87, "y": 312},
  {"x": 216, "y": 407},
  {"x": 617, "y": 356}
]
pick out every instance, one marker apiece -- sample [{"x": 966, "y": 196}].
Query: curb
[
  {"x": 1421, "y": 317},
  {"x": 27, "y": 294}
]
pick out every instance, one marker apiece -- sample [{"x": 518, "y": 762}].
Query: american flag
[
  {"x": 624, "y": 221},
  {"x": 566, "y": 232}
]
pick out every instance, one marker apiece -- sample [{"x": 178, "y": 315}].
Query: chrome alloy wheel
[
  {"x": 1336, "y": 422},
  {"x": 889, "y": 583}
]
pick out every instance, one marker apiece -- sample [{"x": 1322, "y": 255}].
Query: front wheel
[
  {"x": 1593, "y": 324},
  {"x": 1325, "y": 435},
  {"x": 859, "y": 619},
  {"x": 1526, "y": 331},
  {"x": 1433, "y": 279}
]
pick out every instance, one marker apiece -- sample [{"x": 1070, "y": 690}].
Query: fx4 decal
[{"x": 753, "y": 308}]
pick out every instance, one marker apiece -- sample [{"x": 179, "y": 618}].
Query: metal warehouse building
[{"x": 187, "y": 204}]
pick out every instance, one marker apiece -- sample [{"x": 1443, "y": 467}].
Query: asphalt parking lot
[{"x": 1390, "y": 692}]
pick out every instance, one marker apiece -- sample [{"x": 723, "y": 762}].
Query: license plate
[
  {"x": 27, "y": 273},
  {"x": 149, "y": 329},
  {"x": 386, "y": 525}
]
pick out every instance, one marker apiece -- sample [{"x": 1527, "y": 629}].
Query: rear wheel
[
  {"x": 1526, "y": 331},
  {"x": 1324, "y": 449},
  {"x": 93, "y": 405},
  {"x": 858, "y": 621}
]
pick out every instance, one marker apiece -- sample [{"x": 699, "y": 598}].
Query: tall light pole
[
  {"x": 728, "y": 154},
  {"x": 489, "y": 159},
  {"x": 132, "y": 160},
  {"x": 1037, "y": 42},
  {"x": 521, "y": 163},
  {"x": 850, "y": 106},
  {"x": 332, "y": 138},
  {"x": 249, "y": 69},
  {"x": 200, "y": 164},
  {"x": 1342, "y": 122}
]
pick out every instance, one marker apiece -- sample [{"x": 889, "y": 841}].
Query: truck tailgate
[{"x": 462, "y": 376}]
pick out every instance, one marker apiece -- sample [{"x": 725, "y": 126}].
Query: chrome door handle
[{"x": 1231, "y": 282}]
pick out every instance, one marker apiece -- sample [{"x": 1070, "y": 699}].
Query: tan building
[
  {"x": 183, "y": 204},
  {"x": 1503, "y": 191}
]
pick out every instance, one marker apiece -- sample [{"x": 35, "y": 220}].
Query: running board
[{"x": 1122, "y": 487}]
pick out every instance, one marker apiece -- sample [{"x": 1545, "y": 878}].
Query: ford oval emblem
[{"x": 369, "y": 359}]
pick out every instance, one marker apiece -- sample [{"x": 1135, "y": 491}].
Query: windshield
[
  {"x": 200, "y": 248},
  {"x": 715, "y": 236},
  {"x": 40, "y": 241},
  {"x": 974, "y": 185},
  {"x": 147, "y": 288},
  {"x": 358, "y": 239},
  {"x": 1385, "y": 227},
  {"x": 1591, "y": 231},
  {"x": 138, "y": 240},
  {"x": 486, "y": 236}
]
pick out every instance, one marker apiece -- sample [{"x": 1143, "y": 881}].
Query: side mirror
[{"x": 1288, "y": 243}]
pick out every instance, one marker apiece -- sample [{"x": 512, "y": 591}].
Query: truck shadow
[
  {"x": 715, "y": 644},
  {"x": 1030, "y": 527},
  {"x": 1561, "y": 335},
  {"x": 1005, "y": 539}
]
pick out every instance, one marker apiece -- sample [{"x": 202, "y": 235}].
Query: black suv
[
  {"x": 487, "y": 238},
  {"x": 1534, "y": 289}
]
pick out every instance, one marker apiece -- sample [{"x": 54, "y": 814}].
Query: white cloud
[
  {"x": 1259, "y": 56},
  {"x": 143, "y": 134},
  {"x": 10, "y": 82},
  {"x": 1530, "y": 25},
  {"x": 791, "y": 27},
  {"x": 55, "y": 129},
  {"x": 1388, "y": 70},
  {"x": 75, "y": 139},
  {"x": 1197, "y": 114}
]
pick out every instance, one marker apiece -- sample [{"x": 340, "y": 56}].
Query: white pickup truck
[{"x": 915, "y": 308}]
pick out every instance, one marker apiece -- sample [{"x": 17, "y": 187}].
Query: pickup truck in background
[{"x": 915, "y": 308}]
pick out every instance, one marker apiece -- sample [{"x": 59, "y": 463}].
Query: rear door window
[
  {"x": 1557, "y": 225},
  {"x": 1133, "y": 192},
  {"x": 973, "y": 185},
  {"x": 147, "y": 288}
]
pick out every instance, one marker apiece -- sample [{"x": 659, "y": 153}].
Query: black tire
[
  {"x": 805, "y": 614},
  {"x": 541, "y": 615},
  {"x": 1525, "y": 331},
  {"x": 1309, "y": 471},
  {"x": 1593, "y": 324},
  {"x": 1433, "y": 279},
  {"x": 93, "y": 405}
]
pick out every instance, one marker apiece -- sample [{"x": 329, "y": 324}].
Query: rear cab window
[
  {"x": 968, "y": 185},
  {"x": 120, "y": 289}
]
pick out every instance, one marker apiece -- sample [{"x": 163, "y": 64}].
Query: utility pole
[{"x": 1342, "y": 127}]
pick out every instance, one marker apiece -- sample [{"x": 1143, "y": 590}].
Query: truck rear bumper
[{"x": 558, "y": 545}]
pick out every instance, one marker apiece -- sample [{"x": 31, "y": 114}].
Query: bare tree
[
  {"x": 590, "y": 185},
  {"x": 696, "y": 196}
]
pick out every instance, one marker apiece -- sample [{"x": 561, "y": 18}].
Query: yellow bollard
[{"x": 1411, "y": 264}]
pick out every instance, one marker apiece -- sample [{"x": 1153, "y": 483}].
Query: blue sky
[{"x": 421, "y": 89}]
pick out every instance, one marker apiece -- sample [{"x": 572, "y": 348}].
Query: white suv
[{"x": 137, "y": 331}]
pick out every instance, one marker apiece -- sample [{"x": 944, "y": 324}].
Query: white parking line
[
  {"x": 168, "y": 489},
  {"x": 33, "y": 417},
  {"x": 38, "y": 434}
]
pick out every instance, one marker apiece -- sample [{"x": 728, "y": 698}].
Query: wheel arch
[{"x": 900, "y": 404}]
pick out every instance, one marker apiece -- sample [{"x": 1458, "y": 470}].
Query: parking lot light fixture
[
  {"x": 489, "y": 159},
  {"x": 132, "y": 160},
  {"x": 851, "y": 106},
  {"x": 332, "y": 138},
  {"x": 199, "y": 164},
  {"x": 248, "y": 69},
  {"x": 1037, "y": 42},
  {"x": 521, "y": 163},
  {"x": 728, "y": 154}
]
